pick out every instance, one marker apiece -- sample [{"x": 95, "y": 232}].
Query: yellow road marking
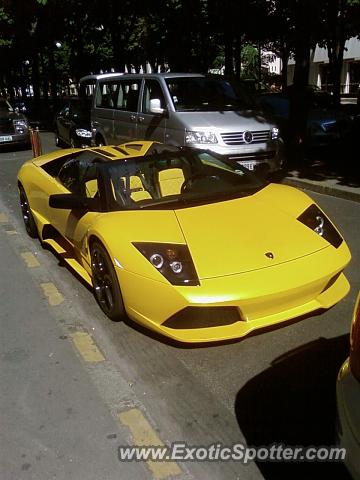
[
  {"x": 3, "y": 218},
  {"x": 87, "y": 348},
  {"x": 30, "y": 260},
  {"x": 52, "y": 293},
  {"x": 143, "y": 434}
]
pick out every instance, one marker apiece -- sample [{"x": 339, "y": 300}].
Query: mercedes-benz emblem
[
  {"x": 269, "y": 255},
  {"x": 247, "y": 136}
]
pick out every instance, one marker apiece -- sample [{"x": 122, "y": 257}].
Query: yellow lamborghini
[{"x": 182, "y": 242}]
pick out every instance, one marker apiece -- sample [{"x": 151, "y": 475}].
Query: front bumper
[
  {"x": 348, "y": 418},
  {"x": 262, "y": 156},
  {"x": 262, "y": 298}
]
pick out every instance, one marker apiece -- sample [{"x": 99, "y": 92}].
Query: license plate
[
  {"x": 6, "y": 138},
  {"x": 248, "y": 165}
]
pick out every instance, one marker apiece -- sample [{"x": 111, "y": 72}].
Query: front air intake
[{"x": 203, "y": 317}]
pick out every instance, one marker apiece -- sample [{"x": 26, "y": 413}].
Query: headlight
[
  {"x": 275, "y": 133},
  {"x": 315, "y": 219},
  {"x": 200, "y": 137},
  {"x": 81, "y": 132},
  {"x": 171, "y": 260},
  {"x": 20, "y": 125}
]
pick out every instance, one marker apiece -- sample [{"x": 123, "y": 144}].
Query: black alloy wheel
[
  {"x": 106, "y": 286},
  {"x": 27, "y": 216}
]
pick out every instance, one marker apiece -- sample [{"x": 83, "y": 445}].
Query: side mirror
[
  {"x": 155, "y": 106},
  {"x": 69, "y": 201}
]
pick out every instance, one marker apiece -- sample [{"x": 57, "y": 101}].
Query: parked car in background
[
  {"x": 327, "y": 124},
  {"x": 14, "y": 126},
  {"x": 72, "y": 124},
  {"x": 183, "y": 109},
  {"x": 348, "y": 399}
]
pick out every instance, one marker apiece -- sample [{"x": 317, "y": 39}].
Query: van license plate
[
  {"x": 7, "y": 138},
  {"x": 248, "y": 165}
]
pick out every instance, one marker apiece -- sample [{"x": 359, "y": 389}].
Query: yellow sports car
[{"x": 183, "y": 242}]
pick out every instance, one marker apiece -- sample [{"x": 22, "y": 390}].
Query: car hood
[
  {"x": 224, "y": 121},
  {"x": 224, "y": 238},
  {"x": 245, "y": 234}
]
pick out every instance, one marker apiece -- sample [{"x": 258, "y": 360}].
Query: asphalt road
[{"x": 277, "y": 386}]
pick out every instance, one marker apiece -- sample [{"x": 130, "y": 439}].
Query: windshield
[
  {"x": 176, "y": 180},
  {"x": 191, "y": 94}
]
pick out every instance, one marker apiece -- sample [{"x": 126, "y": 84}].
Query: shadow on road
[
  {"x": 294, "y": 403},
  {"x": 337, "y": 162}
]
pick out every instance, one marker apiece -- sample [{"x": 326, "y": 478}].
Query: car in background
[
  {"x": 348, "y": 399},
  {"x": 142, "y": 222},
  {"x": 327, "y": 124},
  {"x": 184, "y": 109},
  {"x": 72, "y": 124},
  {"x": 14, "y": 126}
]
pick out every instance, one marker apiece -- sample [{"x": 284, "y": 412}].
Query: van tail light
[{"x": 355, "y": 340}]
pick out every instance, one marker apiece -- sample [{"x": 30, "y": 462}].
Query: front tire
[
  {"x": 27, "y": 216},
  {"x": 105, "y": 283}
]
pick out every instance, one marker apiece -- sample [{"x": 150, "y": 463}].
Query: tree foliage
[{"x": 47, "y": 42}]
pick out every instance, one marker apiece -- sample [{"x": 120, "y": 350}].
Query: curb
[{"x": 324, "y": 189}]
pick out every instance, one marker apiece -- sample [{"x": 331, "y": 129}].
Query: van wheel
[
  {"x": 58, "y": 142},
  {"x": 100, "y": 142}
]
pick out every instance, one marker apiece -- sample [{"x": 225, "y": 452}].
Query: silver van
[{"x": 200, "y": 111}]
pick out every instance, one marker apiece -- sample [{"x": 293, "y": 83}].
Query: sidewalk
[
  {"x": 325, "y": 178},
  {"x": 54, "y": 424}
]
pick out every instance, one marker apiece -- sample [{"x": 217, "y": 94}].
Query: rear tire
[
  {"x": 105, "y": 283},
  {"x": 27, "y": 216}
]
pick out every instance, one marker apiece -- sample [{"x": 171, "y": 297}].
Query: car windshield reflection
[{"x": 177, "y": 180}]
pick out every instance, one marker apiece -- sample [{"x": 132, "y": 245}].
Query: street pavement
[{"x": 54, "y": 424}]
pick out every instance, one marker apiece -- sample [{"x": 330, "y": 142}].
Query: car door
[
  {"x": 78, "y": 176},
  {"x": 126, "y": 110},
  {"x": 152, "y": 126}
]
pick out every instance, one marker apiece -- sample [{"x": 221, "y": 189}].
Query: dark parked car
[
  {"x": 14, "y": 126},
  {"x": 327, "y": 124},
  {"x": 72, "y": 124}
]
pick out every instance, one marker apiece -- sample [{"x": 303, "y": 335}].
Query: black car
[
  {"x": 327, "y": 124},
  {"x": 72, "y": 124},
  {"x": 14, "y": 126}
]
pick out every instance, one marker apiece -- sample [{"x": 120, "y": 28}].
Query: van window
[
  {"x": 127, "y": 95},
  {"x": 206, "y": 94},
  {"x": 152, "y": 90},
  {"x": 105, "y": 94}
]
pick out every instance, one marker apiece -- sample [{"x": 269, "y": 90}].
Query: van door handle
[
  {"x": 141, "y": 119},
  {"x": 133, "y": 118}
]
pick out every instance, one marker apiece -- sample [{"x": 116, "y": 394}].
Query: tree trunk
[
  {"x": 229, "y": 55},
  {"x": 35, "y": 76},
  {"x": 298, "y": 97},
  {"x": 238, "y": 57},
  {"x": 336, "y": 55}
]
